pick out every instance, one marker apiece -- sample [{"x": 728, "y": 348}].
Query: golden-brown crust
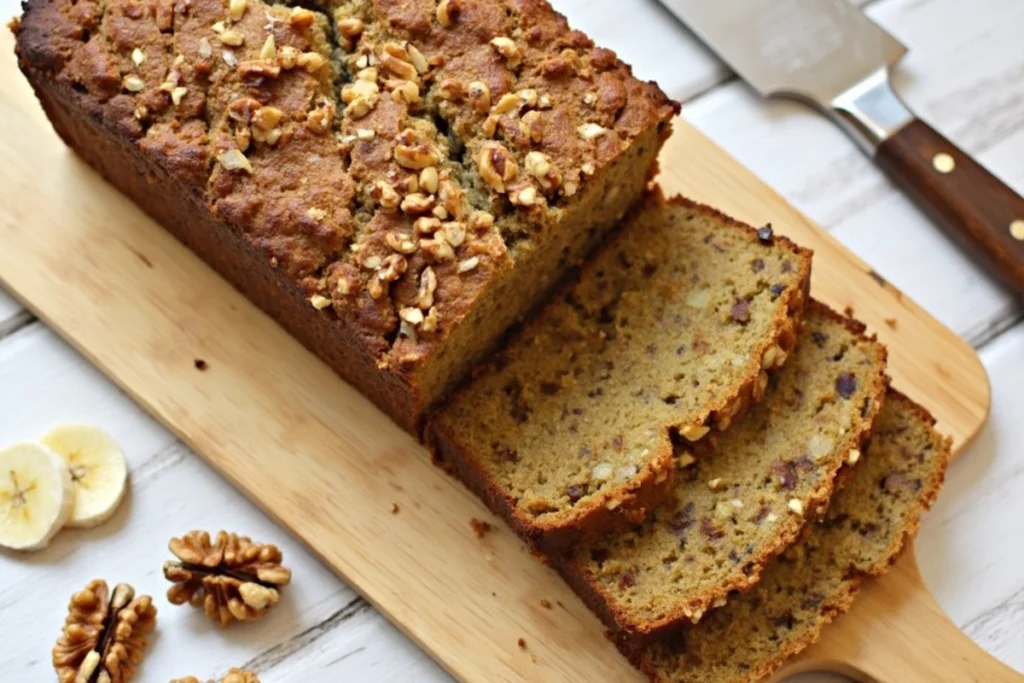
[{"x": 155, "y": 96}]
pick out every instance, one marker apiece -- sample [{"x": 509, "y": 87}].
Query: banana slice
[
  {"x": 36, "y": 496},
  {"x": 98, "y": 470}
]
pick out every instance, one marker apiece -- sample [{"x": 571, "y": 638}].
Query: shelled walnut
[
  {"x": 104, "y": 634},
  {"x": 230, "y": 578},
  {"x": 233, "y": 676}
]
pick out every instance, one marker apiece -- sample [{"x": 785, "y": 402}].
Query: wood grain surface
[{"x": 319, "y": 458}]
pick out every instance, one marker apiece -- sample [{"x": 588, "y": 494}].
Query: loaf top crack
[
  {"x": 670, "y": 328},
  {"x": 419, "y": 172}
]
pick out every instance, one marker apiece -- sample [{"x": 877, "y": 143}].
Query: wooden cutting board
[{"x": 328, "y": 466}]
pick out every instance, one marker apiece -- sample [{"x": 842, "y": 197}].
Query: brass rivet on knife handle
[
  {"x": 943, "y": 163},
  {"x": 976, "y": 209}
]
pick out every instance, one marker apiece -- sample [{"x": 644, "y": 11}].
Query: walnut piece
[
  {"x": 233, "y": 676},
  {"x": 230, "y": 578},
  {"x": 104, "y": 634}
]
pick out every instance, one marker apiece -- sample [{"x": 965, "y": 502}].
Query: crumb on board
[
  {"x": 848, "y": 311},
  {"x": 200, "y": 364},
  {"x": 891, "y": 322},
  {"x": 522, "y": 644},
  {"x": 545, "y": 603},
  {"x": 395, "y": 508},
  {"x": 480, "y": 527}
]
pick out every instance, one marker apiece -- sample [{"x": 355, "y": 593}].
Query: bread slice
[
  {"x": 740, "y": 498},
  {"x": 868, "y": 523},
  {"x": 670, "y": 327}
]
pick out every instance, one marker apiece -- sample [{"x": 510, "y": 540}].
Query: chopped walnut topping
[
  {"x": 429, "y": 323},
  {"x": 417, "y": 59},
  {"x": 589, "y": 131},
  {"x": 481, "y": 220},
  {"x": 351, "y": 28},
  {"x": 218, "y": 27},
  {"x": 311, "y": 61},
  {"x": 529, "y": 97},
  {"x": 178, "y": 94},
  {"x": 538, "y": 165},
  {"x": 396, "y": 59},
  {"x": 588, "y": 168},
  {"x": 570, "y": 188},
  {"x": 234, "y": 160},
  {"x": 685, "y": 460},
  {"x": 428, "y": 285},
  {"x": 479, "y": 96},
  {"x": 417, "y": 202},
  {"x": 236, "y": 8},
  {"x": 413, "y": 316},
  {"x": 454, "y": 233},
  {"x": 320, "y": 119},
  {"x": 388, "y": 197},
  {"x": 468, "y": 264},
  {"x": 360, "y": 88},
  {"x": 853, "y": 456},
  {"x": 405, "y": 91},
  {"x": 716, "y": 484},
  {"x": 269, "y": 49},
  {"x": 694, "y": 432},
  {"x": 449, "y": 90},
  {"x": 138, "y": 56},
  {"x": 316, "y": 214},
  {"x": 229, "y": 58},
  {"x": 366, "y": 134},
  {"x": 437, "y": 249},
  {"x": 287, "y": 57},
  {"x": 428, "y": 179},
  {"x": 403, "y": 244},
  {"x": 507, "y": 103},
  {"x": 319, "y": 302},
  {"x": 232, "y": 37},
  {"x": 427, "y": 225},
  {"x": 545, "y": 102},
  {"x": 528, "y": 196},
  {"x": 508, "y": 49},
  {"x": 133, "y": 83},
  {"x": 266, "y": 118},
  {"x": 490, "y": 126},
  {"x": 257, "y": 70},
  {"x": 393, "y": 268},
  {"x": 447, "y": 10},
  {"x": 301, "y": 18},
  {"x": 796, "y": 506},
  {"x": 205, "y": 49},
  {"x": 590, "y": 98},
  {"x": 440, "y": 213},
  {"x": 368, "y": 74},
  {"x": 497, "y": 165},
  {"x": 413, "y": 153}
]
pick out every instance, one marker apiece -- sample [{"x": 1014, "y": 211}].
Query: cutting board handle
[
  {"x": 976, "y": 209},
  {"x": 897, "y": 633}
]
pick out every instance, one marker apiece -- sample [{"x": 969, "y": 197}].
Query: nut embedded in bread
[
  {"x": 671, "y": 327},
  {"x": 741, "y": 497},
  {"x": 869, "y": 522},
  {"x": 394, "y": 182}
]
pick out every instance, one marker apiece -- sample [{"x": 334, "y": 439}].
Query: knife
[{"x": 829, "y": 54}]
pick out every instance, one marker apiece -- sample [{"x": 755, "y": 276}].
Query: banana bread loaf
[
  {"x": 868, "y": 523},
  {"x": 741, "y": 497},
  {"x": 669, "y": 328},
  {"x": 394, "y": 181}
]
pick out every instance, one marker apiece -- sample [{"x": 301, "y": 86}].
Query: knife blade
[{"x": 831, "y": 55}]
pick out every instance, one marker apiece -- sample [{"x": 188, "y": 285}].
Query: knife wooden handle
[{"x": 974, "y": 207}]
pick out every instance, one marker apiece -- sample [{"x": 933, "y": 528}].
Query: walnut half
[
  {"x": 230, "y": 578},
  {"x": 104, "y": 634},
  {"x": 233, "y": 676}
]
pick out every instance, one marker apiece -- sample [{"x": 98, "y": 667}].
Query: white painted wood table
[{"x": 965, "y": 74}]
